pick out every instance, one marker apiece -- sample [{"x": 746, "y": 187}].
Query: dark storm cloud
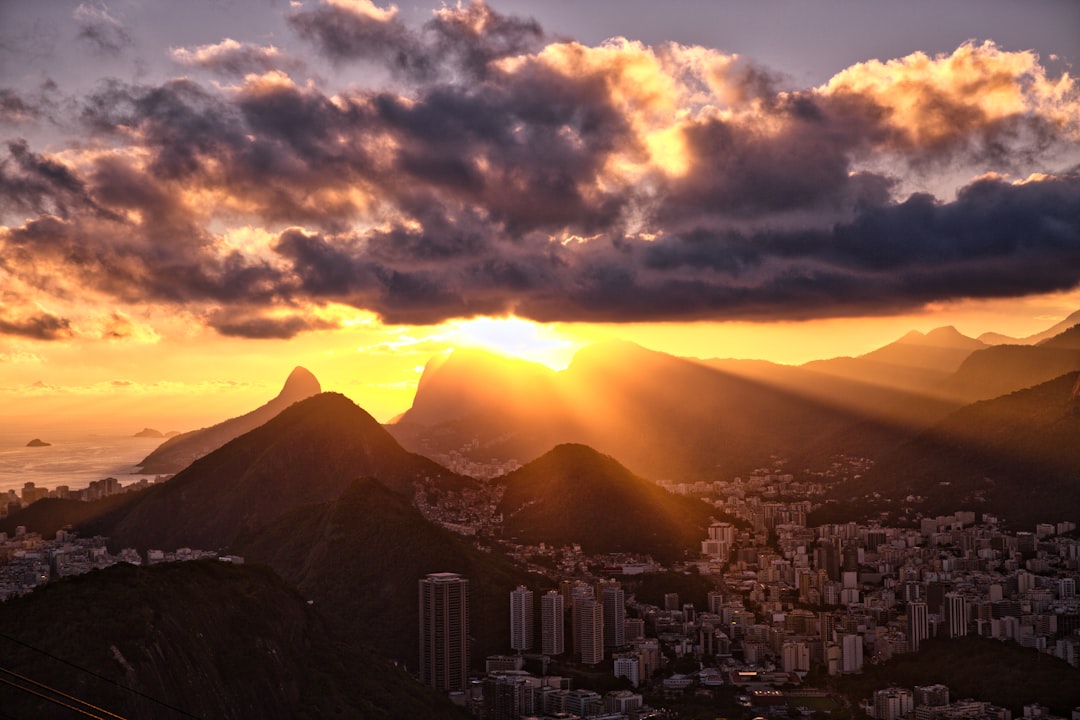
[
  {"x": 41, "y": 326},
  {"x": 557, "y": 181},
  {"x": 33, "y": 183},
  {"x": 262, "y": 327},
  {"x": 101, "y": 31},
  {"x": 344, "y": 33}
]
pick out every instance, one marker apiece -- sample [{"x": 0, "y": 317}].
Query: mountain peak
[{"x": 300, "y": 384}]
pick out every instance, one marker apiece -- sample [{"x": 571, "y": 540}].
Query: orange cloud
[{"x": 930, "y": 102}]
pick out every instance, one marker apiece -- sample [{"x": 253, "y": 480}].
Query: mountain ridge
[{"x": 181, "y": 450}]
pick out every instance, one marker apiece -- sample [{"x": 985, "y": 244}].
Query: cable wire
[
  {"x": 151, "y": 698},
  {"x": 61, "y": 693},
  {"x": 43, "y": 696}
]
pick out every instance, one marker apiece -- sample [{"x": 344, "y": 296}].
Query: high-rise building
[
  {"x": 589, "y": 630},
  {"x": 521, "y": 619},
  {"x": 614, "y": 599},
  {"x": 444, "y": 631},
  {"x": 580, "y": 592},
  {"x": 955, "y": 615},
  {"x": 851, "y": 646},
  {"x": 552, "y": 640},
  {"x": 795, "y": 656},
  {"x": 918, "y": 624}
]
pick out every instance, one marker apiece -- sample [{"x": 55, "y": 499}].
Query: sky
[{"x": 196, "y": 197}]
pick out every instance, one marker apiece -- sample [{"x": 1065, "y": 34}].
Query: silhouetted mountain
[
  {"x": 914, "y": 363},
  {"x": 179, "y": 451},
  {"x": 1004, "y": 369},
  {"x": 208, "y": 638},
  {"x": 663, "y": 417},
  {"x": 992, "y": 338},
  {"x": 360, "y": 556},
  {"x": 1065, "y": 340},
  {"x": 149, "y": 433},
  {"x": 470, "y": 381},
  {"x": 308, "y": 454},
  {"x": 38, "y": 442},
  {"x": 1016, "y": 456},
  {"x": 575, "y": 494},
  {"x": 499, "y": 407}
]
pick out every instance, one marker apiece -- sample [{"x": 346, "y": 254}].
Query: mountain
[
  {"x": 487, "y": 406},
  {"x": 308, "y": 454},
  {"x": 1003, "y": 369},
  {"x": 575, "y": 494},
  {"x": 914, "y": 363},
  {"x": 470, "y": 381},
  {"x": 663, "y": 417},
  {"x": 359, "y": 557},
  {"x": 179, "y": 451},
  {"x": 992, "y": 338},
  {"x": 204, "y": 639},
  {"x": 1016, "y": 456},
  {"x": 149, "y": 433}
]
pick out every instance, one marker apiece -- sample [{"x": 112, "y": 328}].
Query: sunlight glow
[{"x": 514, "y": 337}]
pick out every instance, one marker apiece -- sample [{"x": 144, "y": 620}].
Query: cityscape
[{"x": 510, "y": 360}]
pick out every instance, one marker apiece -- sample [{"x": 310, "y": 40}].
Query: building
[
  {"x": 552, "y": 634},
  {"x": 893, "y": 703},
  {"x": 628, "y": 665},
  {"x": 614, "y": 599},
  {"x": 444, "y": 631},
  {"x": 795, "y": 656},
  {"x": 851, "y": 647},
  {"x": 918, "y": 624},
  {"x": 954, "y": 610},
  {"x": 932, "y": 695},
  {"x": 507, "y": 696},
  {"x": 521, "y": 619},
  {"x": 589, "y": 630}
]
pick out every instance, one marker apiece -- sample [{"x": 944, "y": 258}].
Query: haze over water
[{"x": 74, "y": 460}]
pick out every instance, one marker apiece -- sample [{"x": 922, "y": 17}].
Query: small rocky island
[
  {"x": 38, "y": 442},
  {"x": 149, "y": 433}
]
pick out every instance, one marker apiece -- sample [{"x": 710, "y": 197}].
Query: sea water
[{"x": 71, "y": 459}]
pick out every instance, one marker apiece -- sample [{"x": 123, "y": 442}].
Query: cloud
[
  {"x": 40, "y": 326},
  {"x": 230, "y": 57},
  {"x": 508, "y": 172},
  {"x": 264, "y": 327},
  {"x": 16, "y": 109},
  {"x": 461, "y": 39},
  {"x": 101, "y": 31},
  {"x": 979, "y": 101}
]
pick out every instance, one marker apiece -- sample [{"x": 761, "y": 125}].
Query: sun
[{"x": 514, "y": 337}]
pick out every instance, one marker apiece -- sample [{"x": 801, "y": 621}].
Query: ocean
[{"x": 71, "y": 459}]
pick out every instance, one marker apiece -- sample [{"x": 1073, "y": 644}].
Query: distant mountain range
[
  {"x": 666, "y": 418},
  {"x": 670, "y": 418},
  {"x": 181, "y": 450},
  {"x": 992, "y": 338}
]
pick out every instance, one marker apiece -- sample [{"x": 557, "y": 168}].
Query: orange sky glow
[{"x": 190, "y": 208}]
